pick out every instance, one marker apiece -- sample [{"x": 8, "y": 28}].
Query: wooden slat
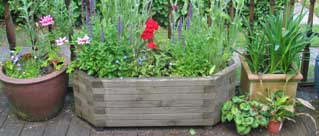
[
  {"x": 138, "y": 123},
  {"x": 150, "y": 83},
  {"x": 3, "y": 115},
  {"x": 12, "y": 126},
  {"x": 58, "y": 126},
  {"x": 159, "y": 110},
  {"x": 33, "y": 129},
  {"x": 149, "y": 90},
  {"x": 170, "y": 116},
  {"x": 153, "y": 97},
  {"x": 78, "y": 128},
  {"x": 158, "y": 103}
]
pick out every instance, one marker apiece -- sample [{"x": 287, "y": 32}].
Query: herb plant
[{"x": 246, "y": 114}]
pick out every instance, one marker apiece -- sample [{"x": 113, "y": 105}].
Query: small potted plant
[
  {"x": 271, "y": 61},
  {"x": 246, "y": 114},
  {"x": 281, "y": 107},
  {"x": 35, "y": 81}
]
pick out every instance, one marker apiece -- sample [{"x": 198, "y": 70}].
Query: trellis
[{"x": 11, "y": 36}]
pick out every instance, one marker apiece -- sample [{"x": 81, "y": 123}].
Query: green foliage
[
  {"x": 280, "y": 106},
  {"x": 26, "y": 68},
  {"x": 275, "y": 49},
  {"x": 195, "y": 47},
  {"x": 246, "y": 114}
]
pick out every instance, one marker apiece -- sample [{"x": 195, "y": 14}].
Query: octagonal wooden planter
[
  {"x": 132, "y": 102},
  {"x": 259, "y": 86}
]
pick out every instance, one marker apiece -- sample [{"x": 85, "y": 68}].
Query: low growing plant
[
  {"x": 246, "y": 114},
  {"x": 282, "y": 107}
]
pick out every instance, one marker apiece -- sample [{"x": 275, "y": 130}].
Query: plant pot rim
[
  {"x": 10, "y": 80},
  {"x": 233, "y": 65},
  {"x": 256, "y": 77}
]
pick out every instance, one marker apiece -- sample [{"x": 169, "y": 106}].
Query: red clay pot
[
  {"x": 36, "y": 99},
  {"x": 274, "y": 126}
]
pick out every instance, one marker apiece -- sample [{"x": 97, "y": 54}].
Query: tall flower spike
[
  {"x": 180, "y": 27},
  {"x": 89, "y": 25},
  {"x": 102, "y": 35},
  {"x": 92, "y": 7},
  {"x": 120, "y": 26},
  {"x": 189, "y": 15}
]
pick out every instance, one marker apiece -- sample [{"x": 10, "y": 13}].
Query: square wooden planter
[
  {"x": 258, "y": 86},
  {"x": 133, "y": 102}
]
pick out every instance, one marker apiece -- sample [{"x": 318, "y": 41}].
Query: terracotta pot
[
  {"x": 36, "y": 99},
  {"x": 274, "y": 126},
  {"x": 258, "y": 86}
]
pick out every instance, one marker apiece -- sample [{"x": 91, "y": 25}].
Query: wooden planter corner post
[
  {"x": 306, "y": 52},
  {"x": 10, "y": 28},
  {"x": 166, "y": 101}
]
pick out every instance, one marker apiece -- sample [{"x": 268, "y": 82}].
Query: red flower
[
  {"x": 148, "y": 34},
  {"x": 151, "y": 45},
  {"x": 151, "y": 24}
]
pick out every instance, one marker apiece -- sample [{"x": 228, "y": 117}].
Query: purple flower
[
  {"x": 61, "y": 41},
  {"x": 180, "y": 27},
  {"x": 102, "y": 35},
  {"x": 120, "y": 26},
  {"x": 92, "y": 7},
  {"x": 89, "y": 25},
  {"x": 140, "y": 61},
  {"x": 189, "y": 15}
]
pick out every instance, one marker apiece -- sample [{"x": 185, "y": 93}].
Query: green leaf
[
  {"x": 244, "y": 106},
  {"x": 192, "y": 132}
]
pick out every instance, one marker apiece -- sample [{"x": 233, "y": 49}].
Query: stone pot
[{"x": 36, "y": 99}]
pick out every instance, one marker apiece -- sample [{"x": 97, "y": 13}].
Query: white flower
[
  {"x": 61, "y": 41},
  {"x": 83, "y": 40}
]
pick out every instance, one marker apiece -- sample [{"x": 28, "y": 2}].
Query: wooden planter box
[
  {"x": 258, "y": 86},
  {"x": 133, "y": 102}
]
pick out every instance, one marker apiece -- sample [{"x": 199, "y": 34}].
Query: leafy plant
[
  {"x": 275, "y": 49},
  {"x": 46, "y": 34},
  {"x": 280, "y": 106},
  {"x": 246, "y": 114},
  {"x": 195, "y": 43}
]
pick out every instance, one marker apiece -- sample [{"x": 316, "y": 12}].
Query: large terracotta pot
[
  {"x": 259, "y": 86},
  {"x": 36, "y": 99},
  {"x": 274, "y": 127}
]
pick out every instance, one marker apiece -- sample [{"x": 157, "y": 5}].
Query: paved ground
[{"x": 68, "y": 124}]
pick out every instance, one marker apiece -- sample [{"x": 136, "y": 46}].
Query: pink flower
[
  {"x": 61, "y": 41},
  {"x": 84, "y": 40},
  {"x": 46, "y": 20}
]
